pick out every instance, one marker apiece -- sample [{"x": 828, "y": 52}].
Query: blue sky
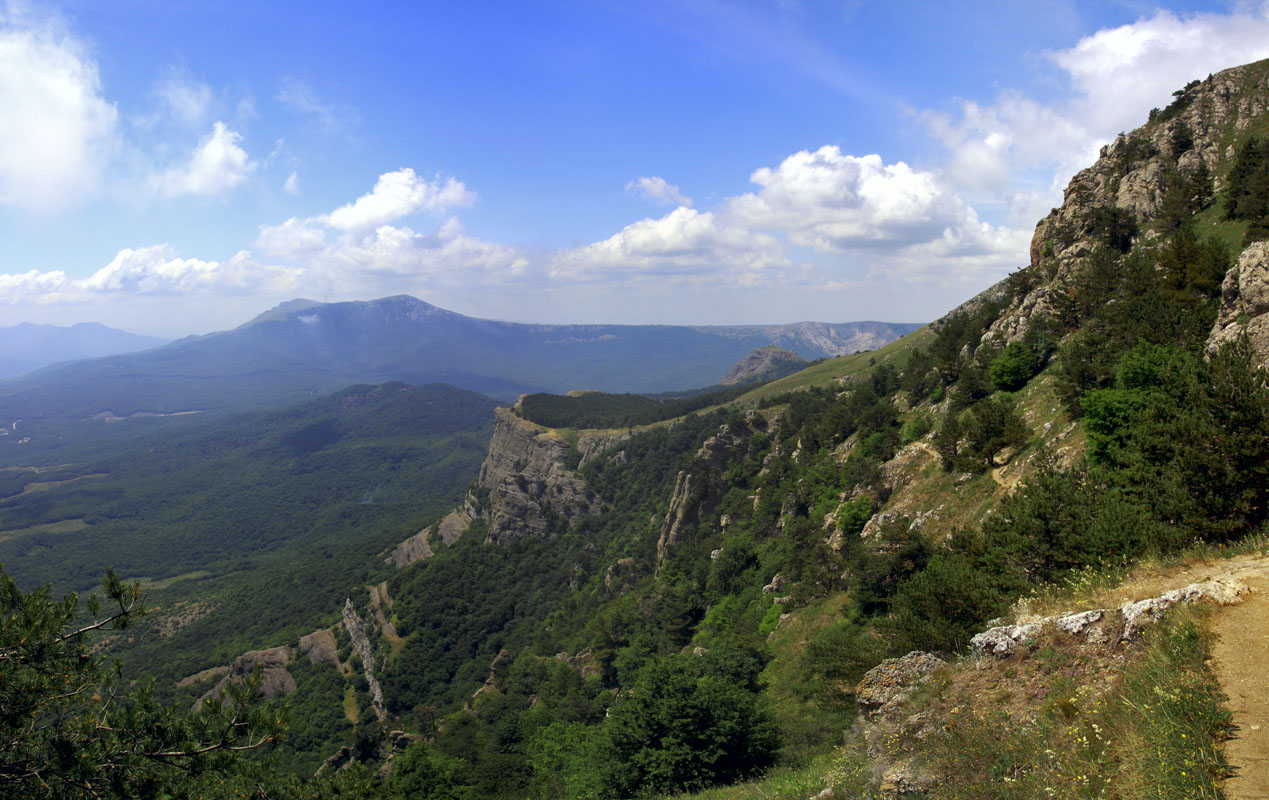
[{"x": 178, "y": 167}]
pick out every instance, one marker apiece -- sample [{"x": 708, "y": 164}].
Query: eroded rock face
[
  {"x": 1130, "y": 178},
  {"x": 274, "y": 677},
  {"x": 361, "y": 643},
  {"x": 531, "y": 479},
  {"x": 320, "y": 647},
  {"x": 694, "y": 493},
  {"x": 886, "y": 686},
  {"x": 528, "y": 485},
  {"x": 1244, "y": 303}
]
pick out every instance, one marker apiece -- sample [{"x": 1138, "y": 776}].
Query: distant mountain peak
[{"x": 282, "y": 311}]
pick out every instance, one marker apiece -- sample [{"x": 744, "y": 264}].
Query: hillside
[
  {"x": 871, "y": 505},
  {"x": 302, "y": 348},
  {"x": 931, "y": 570}
]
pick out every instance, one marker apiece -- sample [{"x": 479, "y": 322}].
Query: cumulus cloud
[
  {"x": 832, "y": 202},
  {"x": 400, "y": 252},
  {"x": 293, "y": 240},
  {"x": 292, "y": 185},
  {"x": 354, "y": 249},
  {"x": 152, "y": 270},
  {"x": 685, "y": 243},
  {"x": 851, "y": 212},
  {"x": 1023, "y": 152},
  {"x": 658, "y": 191},
  {"x": 217, "y": 165},
  {"x": 57, "y": 130},
  {"x": 399, "y": 194}
]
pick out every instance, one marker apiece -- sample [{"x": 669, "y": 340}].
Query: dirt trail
[
  {"x": 1240, "y": 658},
  {"x": 996, "y": 475}
]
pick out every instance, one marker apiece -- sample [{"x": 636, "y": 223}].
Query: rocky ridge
[
  {"x": 1181, "y": 154},
  {"x": 529, "y": 485},
  {"x": 762, "y": 364},
  {"x": 696, "y": 489}
]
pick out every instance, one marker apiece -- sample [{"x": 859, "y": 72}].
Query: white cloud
[
  {"x": 685, "y": 243},
  {"x": 292, "y": 185},
  {"x": 153, "y": 270},
  {"x": 1021, "y": 152},
  {"x": 834, "y": 202},
  {"x": 217, "y": 165},
  {"x": 57, "y": 131},
  {"x": 856, "y": 214},
  {"x": 332, "y": 118},
  {"x": 391, "y": 252},
  {"x": 399, "y": 194},
  {"x": 185, "y": 99},
  {"x": 293, "y": 240},
  {"x": 658, "y": 191},
  {"x": 353, "y": 249}
]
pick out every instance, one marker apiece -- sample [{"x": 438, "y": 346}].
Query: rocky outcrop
[
  {"x": 1101, "y": 625},
  {"x": 529, "y": 485},
  {"x": 274, "y": 677},
  {"x": 1105, "y": 205},
  {"x": 1245, "y": 303},
  {"x": 763, "y": 364},
  {"x": 497, "y": 674},
  {"x": 361, "y": 643},
  {"x": 696, "y": 490},
  {"x": 320, "y": 647},
  {"x": 531, "y": 479},
  {"x": 883, "y": 698},
  {"x": 889, "y": 684}
]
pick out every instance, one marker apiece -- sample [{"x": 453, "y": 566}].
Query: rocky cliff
[
  {"x": 529, "y": 485},
  {"x": 1168, "y": 169}
]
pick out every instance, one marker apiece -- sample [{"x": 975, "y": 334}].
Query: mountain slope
[
  {"x": 26, "y": 347},
  {"x": 1041, "y": 434},
  {"x": 304, "y": 348}
]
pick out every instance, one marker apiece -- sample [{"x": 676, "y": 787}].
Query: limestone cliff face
[
  {"x": 697, "y": 490},
  {"x": 1184, "y": 150},
  {"x": 1245, "y": 302},
  {"x": 529, "y": 485},
  {"x": 531, "y": 481}
]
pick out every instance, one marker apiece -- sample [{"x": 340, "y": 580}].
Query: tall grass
[{"x": 1156, "y": 734}]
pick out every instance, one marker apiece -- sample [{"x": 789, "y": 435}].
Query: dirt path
[
  {"x": 1241, "y": 661},
  {"x": 996, "y": 475}
]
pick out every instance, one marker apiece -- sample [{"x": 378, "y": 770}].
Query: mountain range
[
  {"x": 26, "y": 346},
  {"x": 302, "y": 348}
]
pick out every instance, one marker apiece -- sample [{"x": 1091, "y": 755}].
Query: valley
[{"x": 384, "y": 550}]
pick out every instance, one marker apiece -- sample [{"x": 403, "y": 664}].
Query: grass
[
  {"x": 45, "y": 486},
  {"x": 1154, "y": 733},
  {"x": 155, "y": 584},
  {"x": 350, "y": 705},
  {"x": 781, "y": 783},
  {"x": 825, "y": 372},
  {"x": 62, "y": 526},
  {"x": 1111, "y": 585}
]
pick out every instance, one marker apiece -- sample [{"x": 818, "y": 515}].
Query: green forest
[{"x": 642, "y": 651}]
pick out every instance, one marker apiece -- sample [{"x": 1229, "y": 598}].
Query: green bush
[
  {"x": 1014, "y": 366},
  {"x": 681, "y": 726}
]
